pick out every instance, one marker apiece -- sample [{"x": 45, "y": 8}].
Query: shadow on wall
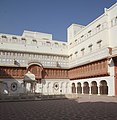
[{"x": 9, "y": 85}]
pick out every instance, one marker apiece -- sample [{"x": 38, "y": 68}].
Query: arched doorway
[
  {"x": 36, "y": 69},
  {"x": 103, "y": 87},
  {"x": 94, "y": 88},
  {"x": 79, "y": 88},
  {"x": 86, "y": 88},
  {"x": 73, "y": 88}
]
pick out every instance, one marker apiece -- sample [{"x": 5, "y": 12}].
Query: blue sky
[{"x": 49, "y": 16}]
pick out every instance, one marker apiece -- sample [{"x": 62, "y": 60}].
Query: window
[
  {"x": 45, "y": 38},
  {"x": 82, "y": 37},
  {"x": 56, "y": 44},
  {"x": 116, "y": 20},
  {"x": 48, "y": 43},
  {"x": 99, "y": 43},
  {"x": 89, "y": 33},
  {"x": 82, "y": 50},
  {"x": 64, "y": 44},
  {"x": 98, "y": 27},
  {"x": 71, "y": 56},
  {"x": 34, "y": 41},
  {"x": 90, "y": 47},
  {"x": 76, "y": 53},
  {"x": 23, "y": 40},
  {"x": 4, "y": 36},
  {"x": 14, "y": 37}
]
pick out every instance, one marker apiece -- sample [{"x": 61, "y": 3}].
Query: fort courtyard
[{"x": 82, "y": 108}]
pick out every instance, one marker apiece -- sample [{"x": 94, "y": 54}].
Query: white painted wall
[
  {"x": 103, "y": 28},
  {"x": 112, "y": 19},
  {"x": 109, "y": 80},
  {"x": 48, "y": 86}
]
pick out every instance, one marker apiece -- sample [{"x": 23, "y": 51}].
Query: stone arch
[
  {"x": 94, "y": 88},
  {"x": 73, "y": 88},
  {"x": 86, "y": 88},
  {"x": 36, "y": 68},
  {"x": 79, "y": 88},
  {"x": 34, "y": 63},
  {"x": 103, "y": 87}
]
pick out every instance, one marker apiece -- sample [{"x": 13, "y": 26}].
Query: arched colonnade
[{"x": 90, "y": 88}]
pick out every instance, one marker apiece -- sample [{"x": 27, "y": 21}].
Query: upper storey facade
[
  {"x": 95, "y": 41},
  {"x": 33, "y": 47},
  {"x": 33, "y": 42},
  {"x": 85, "y": 44}
]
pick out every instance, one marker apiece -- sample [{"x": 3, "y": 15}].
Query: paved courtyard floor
[{"x": 83, "y": 108}]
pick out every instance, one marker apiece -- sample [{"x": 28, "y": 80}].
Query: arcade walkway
[{"x": 83, "y": 108}]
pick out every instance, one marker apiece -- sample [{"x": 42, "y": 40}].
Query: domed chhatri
[{"x": 29, "y": 76}]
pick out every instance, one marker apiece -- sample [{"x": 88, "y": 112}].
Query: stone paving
[{"x": 83, "y": 108}]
